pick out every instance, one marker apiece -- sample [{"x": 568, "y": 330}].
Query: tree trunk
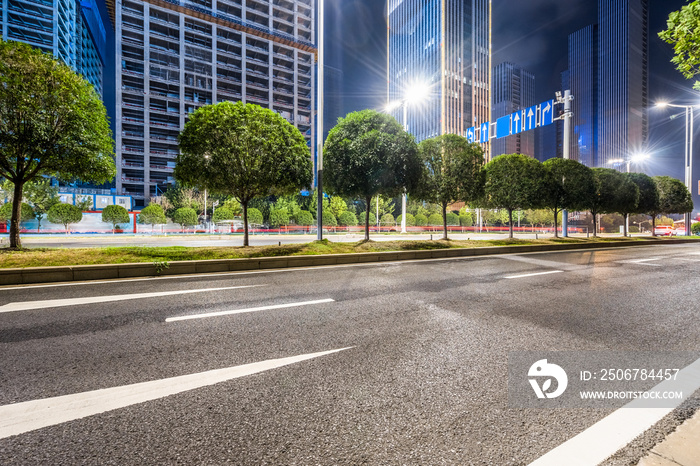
[
  {"x": 595, "y": 224},
  {"x": 245, "y": 223},
  {"x": 556, "y": 223},
  {"x": 624, "y": 225},
  {"x": 653, "y": 225},
  {"x": 444, "y": 221},
  {"x": 16, "y": 217},
  {"x": 510, "y": 223},
  {"x": 369, "y": 201}
]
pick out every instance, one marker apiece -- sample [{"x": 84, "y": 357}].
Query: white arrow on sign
[
  {"x": 516, "y": 126},
  {"x": 545, "y": 110},
  {"x": 530, "y": 114}
]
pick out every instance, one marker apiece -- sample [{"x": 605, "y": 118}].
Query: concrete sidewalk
[{"x": 681, "y": 447}]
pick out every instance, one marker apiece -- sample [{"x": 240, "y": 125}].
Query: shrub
[
  {"x": 410, "y": 220},
  {"x": 26, "y": 212},
  {"x": 347, "y": 219},
  {"x": 329, "y": 219},
  {"x": 185, "y": 216},
  {"x": 305, "y": 218},
  {"x": 279, "y": 217},
  {"x": 466, "y": 220},
  {"x": 372, "y": 218},
  {"x": 435, "y": 220},
  {"x": 421, "y": 220},
  {"x": 388, "y": 219},
  {"x": 452, "y": 219},
  {"x": 222, "y": 213},
  {"x": 695, "y": 228}
]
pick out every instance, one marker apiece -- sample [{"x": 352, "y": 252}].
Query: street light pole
[
  {"x": 319, "y": 126},
  {"x": 403, "y": 198},
  {"x": 688, "y": 163}
]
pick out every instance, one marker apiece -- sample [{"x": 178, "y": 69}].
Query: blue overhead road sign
[
  {"x": 484, "y": 132},
  {"x": 517, "y": 118},
  {"x": 546, "y": 113},
  {"x": 471, "y": 134},
  {"x": 503, "y": 127},
  {"x": 530, "y": 118}
]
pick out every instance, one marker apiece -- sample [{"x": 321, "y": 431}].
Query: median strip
[{"x": 251, "y": 309}]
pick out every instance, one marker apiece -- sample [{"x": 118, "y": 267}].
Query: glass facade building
[
  {"x": 609, "y": 76},
  {"x": 513, "y": 90},
  {"x": 174, "y": 56},
  {"x": 71, "y": 30},
  {"x": 446, "y": 45}
]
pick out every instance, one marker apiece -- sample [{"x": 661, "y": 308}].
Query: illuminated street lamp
[
  {"x": 689, "y": 120},
  {"x": 413, "y": 95}
]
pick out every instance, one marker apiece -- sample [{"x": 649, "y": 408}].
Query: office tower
[
  {"x": 608, "y": 66},
  {"x": 71, "y": 30},
  {"x": 445, "y": 44},
  {"x": 174, "y": 56},
  {"x": 513, "y": 89}
]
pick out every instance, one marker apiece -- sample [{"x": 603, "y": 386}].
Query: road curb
[{"x": 34, "y": 275}]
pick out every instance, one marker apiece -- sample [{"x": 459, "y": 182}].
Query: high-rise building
[
  {"x": 609, "y": 76},
  {"x": 73, "y": 31},
  {"x": 174, "y": 56},
  {"x": 446, "y": 45},
  {"x": 513, "y": 89}
]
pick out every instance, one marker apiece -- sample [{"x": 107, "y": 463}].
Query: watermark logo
[{"x": 542, "y": 369}]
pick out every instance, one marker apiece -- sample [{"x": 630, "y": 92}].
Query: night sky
[{"x": 530, "y": 33}]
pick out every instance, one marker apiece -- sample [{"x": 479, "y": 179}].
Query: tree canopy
[
  {"x": 454, "y": 172},
  {"x": 52, "y": 122},
  {"x": 683, "y": 33},
  {"x": 368, "y": 153},
  {"x": 570, "y": 186},
  {"x": 514, "y": 181},
  {"x": 153, "y": 215},
  {"x": 242, "y": 150},
  {"x": 185, "y": 216}
]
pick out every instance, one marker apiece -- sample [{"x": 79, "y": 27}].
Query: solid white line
[
  {"x": 251, "y": 309},
  {"x": 535, "y": 274},
  {"x": 638, "y": 261},
  {"x": 28, "y": 305},
  {"x": 18, "y": 418},
  {"x": 604, "y": 438}
]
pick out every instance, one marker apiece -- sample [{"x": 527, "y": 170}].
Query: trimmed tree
[
  {"x": 648, "y": 194},
  {"x": 515, "y": 181},
  {"x": 42, "y": 196},
  {"x": 255, "y": 216},
  {"x": 152, "y": 214},
  {"x": 52, "y": 122},
  {"x": 279, "y": 217},
  {"x": 65, "y": 214},
  {"x": 185, "y": 217},
  {"x": 305, "y": 218},
  {"x": 27, "y": 213},
  {"x": 454, "y": 172},
  {"x": 115, "y": 214},
  {"x": 674, "y": 198},
  {"x": 615, "y": 193},
  {"x": 223, "y": 213},
  {"x": 245, "y": 151},
  {"x": 369, "y": 154},
  {"x": 570, "y": 186}
]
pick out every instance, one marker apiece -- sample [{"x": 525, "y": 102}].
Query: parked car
[
  {"x": 664, "y": 230},
  {"x": 679, "y": 232}
]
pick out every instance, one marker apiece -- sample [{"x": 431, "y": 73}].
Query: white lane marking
[
  {"x": 23, "y": 417},
  {"x": 250, "y": 309},
  {"x": 535, "y": 274},
  {"x": 639, "y": 261},
  {"x": 604, "y": 438},
  {"x": 28, "y": 305},
  {"x": 305, "y": 269}
]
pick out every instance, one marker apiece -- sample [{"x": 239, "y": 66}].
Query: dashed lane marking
[
  {"x": 29, "y": 305},
  {"x": 534, "y": 274},
  {"x": 250, "y": 309}
]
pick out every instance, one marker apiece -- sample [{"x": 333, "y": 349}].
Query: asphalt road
[{"x": 420, "y": 378}]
